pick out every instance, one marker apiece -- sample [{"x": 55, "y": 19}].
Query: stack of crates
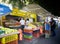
[
  {"x": 36, "y": 33},
  {"x": 12, "y": 39},
  {"x": 28, "y": 34}
]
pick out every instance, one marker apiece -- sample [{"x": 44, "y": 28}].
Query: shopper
[
  {"x": 53, "y": 26},
  {"x": 22, "y": 22},
  {"x": 47, "y": 28}
]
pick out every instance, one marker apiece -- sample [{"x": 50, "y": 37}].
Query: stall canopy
[
  {"x": 4, "y": 10},
  {"x": 35, "y": 8}
]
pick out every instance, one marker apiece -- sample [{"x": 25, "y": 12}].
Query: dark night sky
[{"x": 52, "y": 6}]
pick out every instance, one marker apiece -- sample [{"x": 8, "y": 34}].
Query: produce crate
[
  {"x": 36, "y": 33},
  {"x": 8, "y": 39},
  {"x": 25, "y": 33},
  {"x": 28, "y": 37},
  {"x": 28, "y": 31},
  {"x": 28, "y": 34},
  {"x": 13, "y": 42}
]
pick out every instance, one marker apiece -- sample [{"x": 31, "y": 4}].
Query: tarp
[
  {"x": 4, "y": 10},
  {"x": 35, "y": 8}
]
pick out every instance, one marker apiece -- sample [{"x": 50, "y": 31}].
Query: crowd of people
[
  {"x": 50, "y": 26},
  {"x": 24, "y": 23}
]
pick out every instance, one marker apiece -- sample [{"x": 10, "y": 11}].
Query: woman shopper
[{"x": 47, "y": 28}]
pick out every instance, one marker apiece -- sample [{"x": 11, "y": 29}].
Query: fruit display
[
  {"x": 7, "y": 30},
  {"x": 31, "y": 25},
  {"x": 12, "y": 23},
  {"x": 38, "y": 23}
]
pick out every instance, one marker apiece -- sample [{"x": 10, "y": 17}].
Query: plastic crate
[
  {"x": 25, "y": 33},
  {"x": 10, "y": 38},
  {"x": 37, "y": 34},
  {"x": 13, "y": 42},
  {"x": 28, "y": 31},
  {"x": 28, "y": 37}
]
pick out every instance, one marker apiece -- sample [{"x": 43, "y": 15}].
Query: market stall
[
  {"x": 12, "y": 20},
  {"x": 8, "y": 36},
  {"x": 22, "y": 13},
  {"x": 33, "y": 30},
  {"x": 4, "y": 10}
]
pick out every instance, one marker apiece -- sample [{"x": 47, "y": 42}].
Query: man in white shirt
[
  {"x": 31, "y": 20},
  {"x": 22, "y": 22},
  {"x": 27, "y": 22}
]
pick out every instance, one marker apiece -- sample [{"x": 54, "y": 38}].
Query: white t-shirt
[
  {"x": 22, "y": 22},
  {"x": 27, "y": 22},
  {"x": 48, "y": 19},
  {"x": 31, "y": 20}
]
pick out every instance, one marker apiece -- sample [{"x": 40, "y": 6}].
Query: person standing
[
  {"x": 22, "y": 22},
  {"x": 47, "y": 28},
  {"x": 27, "y": 22},
  {"x": 53, "y": 26},
  {"x": 31, "y": 20}
]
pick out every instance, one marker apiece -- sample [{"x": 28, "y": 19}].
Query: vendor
[
  {"x": 31, "y": 20},
  {"x": 27, "y": 22},
  {"x": 22, "y": 22}
]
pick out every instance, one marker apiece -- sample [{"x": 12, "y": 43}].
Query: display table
[
  {"x": 12, "y": 25},
  {"x": 11, "y": 38},
  {"x": 15, "y": 27},
  {"x": 4, "y": 35}
]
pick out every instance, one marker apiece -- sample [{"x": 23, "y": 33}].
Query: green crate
[{"x": 26, "y": 36}]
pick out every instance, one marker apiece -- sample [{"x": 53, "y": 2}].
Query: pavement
[{"x": 42, "y": 40}]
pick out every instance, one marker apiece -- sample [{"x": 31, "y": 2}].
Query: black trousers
[
  {"x": 53, "y": 31},
  {"x": 22, "y": 27}
]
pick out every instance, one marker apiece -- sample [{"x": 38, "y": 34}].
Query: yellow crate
[{"x": 9, "y": 38}]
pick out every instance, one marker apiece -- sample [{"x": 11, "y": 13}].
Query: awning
[{"x": 4, "y": 10}]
